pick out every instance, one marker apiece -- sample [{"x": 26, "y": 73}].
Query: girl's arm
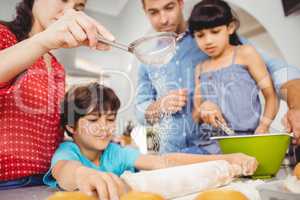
[
  {"x": 151, "y": 162},
  {"x": 260, "y": 74},
  {"x": 197, "y": 95},
  {"x": 204, "y": 111}
]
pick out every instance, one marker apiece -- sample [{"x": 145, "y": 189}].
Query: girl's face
[
  {"x": 45, "y": 12},
  {"x": 213, "y": 41},
  {"x": 94, "y": 132}
]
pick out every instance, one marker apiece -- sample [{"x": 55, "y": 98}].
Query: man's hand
[
  {"x": 174, "y": 101},
  {"x": 291, "y": 122}
]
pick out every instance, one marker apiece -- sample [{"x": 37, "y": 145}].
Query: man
[{"x": 165, "y": 94}]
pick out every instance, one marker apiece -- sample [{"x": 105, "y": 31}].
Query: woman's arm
[
  {"x": 197, "y": 95},
  {"x": 73, "y": 29},
  {"x": 150, "y": 162},
  {"x": 260, "y": 74},
  {"x": 17, "y": 58},
  {"x": 72, "y": 175}
]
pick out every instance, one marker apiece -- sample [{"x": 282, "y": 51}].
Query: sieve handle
[
  {"x": 113, "y": 43},
  {"x": 225, "y": 128}
]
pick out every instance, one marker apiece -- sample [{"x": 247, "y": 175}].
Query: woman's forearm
[{"x": 19, "y": 57}]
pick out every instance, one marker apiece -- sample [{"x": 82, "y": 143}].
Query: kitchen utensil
[
  {"x": 268, "y": 149},
  {"x": 225, "y": 128},
  {"x": 157, "y": 49},
  {"x": 183, "y": 180},
  {"x": 276, "y": 190}
]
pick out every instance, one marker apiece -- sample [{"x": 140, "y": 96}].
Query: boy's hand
[
  {"x": 209, "y": 112},
  {"x": 247, "y": 163},
  {"x": 105, "y": 186}
]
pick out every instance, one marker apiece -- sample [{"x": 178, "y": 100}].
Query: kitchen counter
[{"x": 42, "y": 192}]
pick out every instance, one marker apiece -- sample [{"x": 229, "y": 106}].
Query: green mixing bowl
[{"x": 268, "y": 149}]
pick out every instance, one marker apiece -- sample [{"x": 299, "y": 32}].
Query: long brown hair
[{"x": 22, "y": 24}]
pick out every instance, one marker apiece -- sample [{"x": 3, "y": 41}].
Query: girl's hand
[
  {"x": 247, "y": 163},
  {"x": 210, "y": 112},
  {"x": 262, "y": 129},
  {"x": 105, "y": 186},
  {"x": 74, "y": 29}
]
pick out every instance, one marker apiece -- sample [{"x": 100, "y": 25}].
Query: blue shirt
[
  {"x": 115, "y": 159},
  {"x": 178, "y": 133}
]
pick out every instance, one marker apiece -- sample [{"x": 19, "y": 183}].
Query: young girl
[
  {"x": 227, "y": 84},
  {"x": 88, "y": 115}
]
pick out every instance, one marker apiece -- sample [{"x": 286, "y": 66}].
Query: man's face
[{"x": 165, "y": 15}]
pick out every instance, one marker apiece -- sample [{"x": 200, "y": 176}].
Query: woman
[{"x": 32, "y": 84}]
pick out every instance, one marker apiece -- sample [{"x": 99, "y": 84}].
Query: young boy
[{"x": 91, "y": 162}]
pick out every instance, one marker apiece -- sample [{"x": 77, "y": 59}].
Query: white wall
[
  {"x": 285, "y": 31},
  {"x": 7, "y": 9}
]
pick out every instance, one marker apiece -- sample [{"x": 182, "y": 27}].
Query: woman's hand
[
  {"x": 210, "y": 112},
  {"x": 74, "y": 29},
  {"x": 247, "y": 163},
  {"x": 105, "y": 186}
]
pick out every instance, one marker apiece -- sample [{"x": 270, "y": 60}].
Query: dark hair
[
  {"x": 22, "y": 24},
  {"x": 212, "y": 13},
  {"x": 80, "y": 101}
]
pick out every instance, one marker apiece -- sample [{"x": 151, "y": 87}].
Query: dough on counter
[
  {"x": 134, "y": 195},
  {"x": 221, "y": 194},
  {"x": 297, "y": 171},
  {"x": 182, "y": 180},
  {"x": 71, "y": 196}
]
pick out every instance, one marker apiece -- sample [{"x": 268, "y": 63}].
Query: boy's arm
[
  {"x": 260, "y": 74},
  {"x": 151, "y": 162},
  {"x": 72, "y": 175}
]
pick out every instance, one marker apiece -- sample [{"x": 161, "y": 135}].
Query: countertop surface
[{"x": 42, "y": 192}]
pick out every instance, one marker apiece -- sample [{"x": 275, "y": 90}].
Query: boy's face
[
  {"x": 94, "y": 132},
  {"x": 213, "y": 41}
]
